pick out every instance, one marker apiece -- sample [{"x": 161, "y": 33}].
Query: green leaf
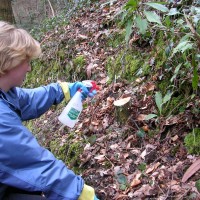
[
  {"x": 183, "y": 46},
  {"x": 141, "y": 24},
  {"x": 150, "y": 116},
  {"x": 195, "y": 78},
  {"x": 173, "y": 11},
  {"x": 121, "y": 178},
  {"x": 176, "y": 72},
  {"x": 128, "y": 30},
  {"x": 197, "y": 9},
  {"x": 152, "y": 17},
  {"x": 158, "y": 99},
  {"x": 140, "y": 133},
  {"x": 158, "y": 6},
  {"x": 167, "y": 97},
  {"x": 168, "y": 21},
  {"x": 131, "y": 5},
  {"x": 142, "y": 167}
]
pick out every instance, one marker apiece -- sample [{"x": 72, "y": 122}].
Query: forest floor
[{"x": 120, "y": 162}]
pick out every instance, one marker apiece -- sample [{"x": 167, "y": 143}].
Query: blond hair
[{"x": 16, "y": 45}]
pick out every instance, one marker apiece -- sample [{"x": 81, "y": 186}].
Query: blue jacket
[{"x": 24, "y": 164}]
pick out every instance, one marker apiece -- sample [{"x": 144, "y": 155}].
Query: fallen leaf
[
  {"x": 105, "y": 122},
  {"x": 152, "y": 168},
  {"x": 82, "y": 36},
  {"x": 100, "y": 158},
  {"x": 122, "y": 102},
  {"x": 141, "y": 117},
  {"x": 110, "y": 101},
  {"x": 138, "y": 80},
  {"x": 174, "y": 138},
  {"x": 191, "y": 170},
  {"x": 95, "y": 123},
  {"x": 136, "y": 181},
  {"x": 150, "y": 87},
  {"x": 89, "y": 69}
]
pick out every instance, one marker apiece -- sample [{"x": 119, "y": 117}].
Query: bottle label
[{"x": 73, "y": 114}]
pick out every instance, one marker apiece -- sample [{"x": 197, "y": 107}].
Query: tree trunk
[{"x": 6, "y": 12}]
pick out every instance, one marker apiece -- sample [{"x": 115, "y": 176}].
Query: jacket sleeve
[
  {"x": 34, "y": 102},
  {"x": 26, "y": 165}
]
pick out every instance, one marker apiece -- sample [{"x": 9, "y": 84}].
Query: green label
[{"x": 73, "y": 114}]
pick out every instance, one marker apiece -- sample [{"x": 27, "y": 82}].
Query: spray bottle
[{"x": 71, "y": 112}]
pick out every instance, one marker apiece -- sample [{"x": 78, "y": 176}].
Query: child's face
[{"x": 17, "y": 75}]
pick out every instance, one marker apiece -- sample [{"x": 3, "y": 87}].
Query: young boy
[{"x": 26, "y": 169}]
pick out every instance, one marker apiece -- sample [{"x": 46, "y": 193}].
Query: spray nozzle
[
  {"x": 91, "y": 84},
  {"x": 94, "y": 86}
]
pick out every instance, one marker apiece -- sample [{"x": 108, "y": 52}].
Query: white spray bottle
[{"x": 71, "y": 112}]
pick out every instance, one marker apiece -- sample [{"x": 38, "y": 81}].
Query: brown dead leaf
[
  {"x": 89, "y": 70},
  {"x": 173, "y": 120},
  {"x": 136, "y": 181},
  {"x": 84, "y": 37},
  {"x": 145, "y": 190},
  {"x": 95, "y": 123},
  {"x": 152, "y": 168},
  {"x": 191, "y": 170},
  {"x": 105, "y": 123},
  {"x": 150, "y": 86},
  {"x": 174, "y": 138},
  {"x": 141, "y": 117},
  {"x": 134, "y": 39},
  {"x": 110, "y": 100},
  {"x": 121, "y": 196},
  {"x": 100, "y": 158}
]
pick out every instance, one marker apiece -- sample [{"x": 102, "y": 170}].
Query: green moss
[
  {"x": 164, "y": 85},
  {"x": 160, "y": 54},
  {"x": 68, "y": 152},
  {"x": 76, "y": 71},
  {"x": 124, "y": 66},
  {"x": 107, "y": 164},
  {"x": 192, "y": 141},
  {"x": 116, "y": 39},
  {"x": 61, "y": 54},
  {"x": 146, "y": 69},
  {"x": 79, "y": 61},
  {"x": 176, "y": 104},
  {"x": 197, "y": 184}
]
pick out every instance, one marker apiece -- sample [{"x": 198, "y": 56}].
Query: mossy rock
[{"x": 192, "y": 141}]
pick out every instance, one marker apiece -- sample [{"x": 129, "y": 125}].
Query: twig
[
  {"x": 109, "y": 161},
  {"x": 53, "y": 13},
  {"x": 135, "y": 123}
]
